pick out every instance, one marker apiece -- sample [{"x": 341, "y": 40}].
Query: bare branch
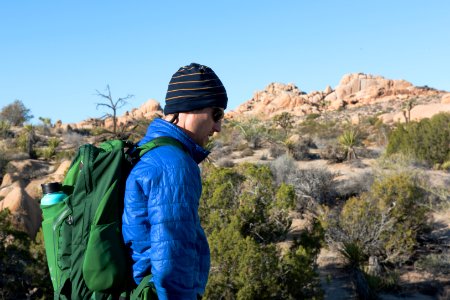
[{"x": 114, "y": 106}]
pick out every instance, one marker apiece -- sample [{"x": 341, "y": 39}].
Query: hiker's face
[{"x": 201, "y": 124}]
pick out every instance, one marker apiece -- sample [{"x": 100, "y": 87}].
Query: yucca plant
[
  {"x": 349, "y": 140},
  {"x": 353, "y": 254},
  {"x": 53, "y": 142},
  {"x": 27, "y": 139},
  {"x": 5, "y": 126}
]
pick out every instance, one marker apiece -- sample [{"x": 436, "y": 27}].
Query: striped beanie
[{"x": 194, "y": 87}]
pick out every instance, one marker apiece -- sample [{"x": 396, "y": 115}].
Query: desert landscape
[{"x": 376, "y": 216}]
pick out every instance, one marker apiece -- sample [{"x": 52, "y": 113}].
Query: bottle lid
[{"x": 51, "y": 187}]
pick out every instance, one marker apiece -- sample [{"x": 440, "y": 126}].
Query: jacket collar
[{"x": 160, "y": 127}]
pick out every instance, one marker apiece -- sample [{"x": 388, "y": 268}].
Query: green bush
[
  {"x": 427, "y": 140},
  {"x": 384, "y": 222},
  {"x": 312, "y": 116},
  {"x": 15, "y": 113},
  {"x": 5, "y": 127},
  {"x": 285, "y": 120},
  {"x": 244, "y": 215},
  {"x": 23, "y": 263},
  {"x": 251, "y": 130},
  {"x": 435, "y": 263},
  {"x": 53, "y": 142},
  {"x": 325, "y": 129},
  {"x": 445, "y": 166}
]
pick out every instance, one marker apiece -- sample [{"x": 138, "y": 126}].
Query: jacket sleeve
[{"x": 174, "y": 223}]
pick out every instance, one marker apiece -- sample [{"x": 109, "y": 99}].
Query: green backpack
[{"x": 86, "y": 254}]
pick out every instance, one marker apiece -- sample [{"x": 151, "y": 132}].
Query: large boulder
[
  {"x": 21, "y": 190},
  {"x": 26, "y": 170},
  {"x": 146, "y": 111},
  {"x": 445, "y": 98},
  {"x": 25, "y": 209},
  {"x": 418, "y": 113}
]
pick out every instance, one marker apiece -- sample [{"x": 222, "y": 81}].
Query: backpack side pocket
[{"x": 55, "y": 233}]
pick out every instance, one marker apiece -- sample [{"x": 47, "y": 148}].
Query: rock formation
[
  {"x": 146, "y": 111},
  {"x": 353, "y": 90},
  {"x": 20, "y": 191}
]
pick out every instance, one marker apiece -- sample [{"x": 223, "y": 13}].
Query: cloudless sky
[{"x": 54, "y": 55}]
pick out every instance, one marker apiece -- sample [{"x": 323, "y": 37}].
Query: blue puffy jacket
[{"x": 161, "y": 225}]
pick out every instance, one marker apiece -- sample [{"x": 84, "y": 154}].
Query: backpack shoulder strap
[{"x": 160, "y": 141}]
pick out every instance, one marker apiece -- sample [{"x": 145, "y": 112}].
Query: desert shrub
[
  {"x": 5, "y": 127},
  {"x": 435, "y": 263},
  {"x": 317, "y": 183},
  {"x": 247, "y": 152},
  {"x": 230, "y": 135},
  {"x": 249, "y": 193},
  {"x": 283, "y": 169},
  {"x": 384, "y": 222},
  {"x": 312, "y": 116},
  {"x": 244, "y": 214},
  {"x": 363, "y": 152},
  {"x": 399, "y": 161},
  {"x": 46, "y": 153},
  {"x": 4, "y": 160},
  {"x": 388, "y": 281},
  {"x": 285, "y": 120},
  {"x": 263, "y": 156},
  {"x": 49, "y": 151},
  {"x": 65, "y": 155},
  {"x": 355, "y": 185},
  {"x": 252, "y": 130},
  {"x": 219, "y": 151},
  {"x": 445, "y": 166},
  {"x": 26, "y": 140},
  {"x": 261, "y": 272},
  {"x": 299, "y": 150},
  {"x": 276, "y": 150},
  {"x": 373, "y": 130},
  {"x": 53, "y": 142},
  {"x": 15, "y": 113},
  {"x": 225, "y": 162},
  {"x": 325, "y": 129},
  {"x": 74, "y": 139},
  {"x": 353, "y": 254},
  {"x": 427, "y": 140},
  {"x": 333, "y": 153},
  {"x": 23, "y": 263}
]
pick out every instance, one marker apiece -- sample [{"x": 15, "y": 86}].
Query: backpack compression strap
[{"x": 160, "y": 141}]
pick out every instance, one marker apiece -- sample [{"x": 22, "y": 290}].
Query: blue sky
[{"x": 54, "y": 55}]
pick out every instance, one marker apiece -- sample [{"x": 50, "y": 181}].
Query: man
[{"x": 161, "y": 225}]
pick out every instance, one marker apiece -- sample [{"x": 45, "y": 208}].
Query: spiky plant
[{"x": 349, "y": 140}]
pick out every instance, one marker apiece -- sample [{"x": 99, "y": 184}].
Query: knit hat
[{"x": 194, "y": 87}]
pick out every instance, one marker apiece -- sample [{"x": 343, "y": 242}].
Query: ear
[{"x": 172, "y": 118}]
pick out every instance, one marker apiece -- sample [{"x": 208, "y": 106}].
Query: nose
[{"x": 217, "y": 126}]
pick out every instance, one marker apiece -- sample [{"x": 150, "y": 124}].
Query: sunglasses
[{"x": 217, "y": 114}]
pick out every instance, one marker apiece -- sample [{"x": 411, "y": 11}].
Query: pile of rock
[
  {"x": 146, "y": 111},
  {"x": 353, "y": 90},
  {"x": 20, "y": 190}
]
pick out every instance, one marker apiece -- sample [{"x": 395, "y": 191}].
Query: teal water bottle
[{"x": 52, "y": 193}]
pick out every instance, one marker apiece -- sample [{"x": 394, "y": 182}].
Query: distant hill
[{"x": 354, "y": 90}]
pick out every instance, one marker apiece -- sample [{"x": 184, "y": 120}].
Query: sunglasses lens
[{"x": 217, "y": 114}]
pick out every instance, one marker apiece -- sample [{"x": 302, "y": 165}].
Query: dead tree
[{"x": 113, "y": 105}]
